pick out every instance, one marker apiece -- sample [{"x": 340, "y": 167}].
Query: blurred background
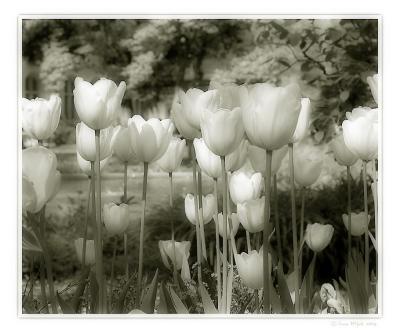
[{"x": 330, "y": 59}]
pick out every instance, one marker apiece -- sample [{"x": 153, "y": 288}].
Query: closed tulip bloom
[
  {"x": 251, "y": 214},
  {"x": 86, "y": 167},
  {"x": 270, "y": 114},
  {"x": 308, "y": 165},
  {"x": 341, "y": 153},
  {"x": 257, "y": 157},
  {"x": 149, "y": 139},
  {"x": 318, "y": 236},
  {"x": 250, "y": 268},
  {"x": 208, "y": 208},
  {"x": 40, "y": 117},
  {"x": 90, "y": 252},
  {"x": 181, "y": 252},
  {"x": 182, "y": 123},
  {"x": 245, "y": 185},
  {"x": 303, "y": 122},
  {"x": 172, "y": 158},
  {"x": 236, "y": 159},
  {"x": 359, "y": 225},
  {"x": 235, "y": 224},
  {"x": 98, "y": 105},
  {"x": 86, "y": 142},
  {"x": 39, "y": 167},
  {"x": 209, "y": 162},
  {"x": 373, "y": 82},
  {"x": 28, "y": 195},
  {"x": 121, "y": 144},
  {"x": 116, "y": 217},
  {"x": 360, "y": 132}
]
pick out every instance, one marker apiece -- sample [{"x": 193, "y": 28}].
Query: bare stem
[
  {"x": 85, "y": 227},
  {"x": 43, "y": 296},
  {"x": 171, "y": 205},
  {"x": 201, "y": 216},
  {"x": 348, "y": 215},
  {"x": 303, "y": 195},
  {"x": 366, "y": 236},
  {"x": 248, "y": 242},
  {"x": 125, "y": 233},
  {"x": 277, "y": 225},
  {"x": 112, "y": 270},
  {"x": 217, "y": 244}
]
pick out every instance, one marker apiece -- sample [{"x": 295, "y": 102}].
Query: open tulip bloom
[{"x": 245, "y": 185}]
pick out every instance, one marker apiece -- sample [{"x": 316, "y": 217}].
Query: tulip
[
  {"x": 121, "y": 144},
  {"x": 208, "y": 208},
  {"x": 172, "y": 158},
  {"x": 85, "y": 166},
  {"x": 327, "y": 292},
  {"x": 318, "y": 236},
  {"x": 373, "y": 82},
  {"x": 236, "y": 159},
  {"x": 342, "y": 154},
  {"x": 209, "y": 162},
  {"x": 257, "y": 157},
  {"x": 181, "y": 254},
  {"x": 149, "y": 139},
  {"x": 182, "y": 124},
  {"x": 116, "y": 217},
  {"x": 303, "y": 122},
  {"x": 40, "y": 117},
  {"x": 360, "y": 132},
  {"x": 245, "y": 185},
  {"x": 28, "y": 195},
  {"x": 270, "y": 114},
  {"x": 308, "y": 164},
  {"x": 235, "y": 225},
  {"x": 335, "y": 304},
  {"x": 359, "y": 224},
  {"x": 98, "y": 105},
  {"x": 90, "y": 252},
  {"x": 39, "y": 168},
  {"x": 86, "y": 143},
  {"x": 250, "y": 268},
  {"x": 251, "y": 214}
]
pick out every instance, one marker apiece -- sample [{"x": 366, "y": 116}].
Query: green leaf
[
  {"x": 275, "y": 301},
  {"x": 307, "y": 288},
  {"x": 94, "y": 293},
  {"x": 30, "y": 241},
  {"x": 178, "y": 304},
  {"x": 208, "y": 305},
  {"x": 149, "y": 299},
  {"x": 166, "y": 305},
  {"x": 80, "y": 289},
  {"x": 373, "y": 241},
  {"x": 286, "y": 300},
  {"x": 121, "y": 299},
  {"x": 65, "y": 306},
  {"x": 358, "y": 296}
]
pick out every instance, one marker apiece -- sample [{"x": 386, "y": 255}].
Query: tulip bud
[
  {"x": 181, "y": 253},
  {"x": 182, "y": 124},
  {"x": 360, "y": 132},
  {"x": 373, "y": 82},
  {"x": 235, "y": 225},
  {"x": 308, "y": 165},
  {"x": 342, "y": 154},
  {"x": 359, "y": 224},
  {"x": 236, "y": 159},
  {"x": 172, "y": 158},
  {"x": 303, "y": 122},
  {"x": 97, "y": 105},
  {"x": 86, "y": 167},
  {"x": 90, "y": 252},
  {"x": 208, "y": 208},
  {"x": 257, "y": 157},
  {"x": 121, "y": 144},
  {"x": 39, "y": 167},
  {"x": 250, "y": 268},
  {"x": 245, "y": 185},
  {"x": 40, "y": 117},
  {"x": 251, "y": 214},
  {"x": 86, "y": 142},
  {"x": 318, "y": 236},
  {"x": 149, "y": 139},
  {"x": 209, "y": 162},
  {"x": 270, "y": 114},
  {"x": 116, "y": 217}
]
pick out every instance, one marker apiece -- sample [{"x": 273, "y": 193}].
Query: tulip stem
[
  {"x": 99, "y": 238},
  {"x": 257, "y": 301},
  {"x": 201, "y": 216},
  {"x": 348, "y": 215},
  {"x": 171, "y": 205},
  {"x": 303, "y": 196},
  {"x": 224, "y": 237},
  {"x": 248, "y": 242},
  {"x": 217, "y": 243},
  {"x": 112, "y": 271},
  {"x": 277, "y": 225},
  {"x": 85, "y": 227},
  {"x": 141, "y": 243},
  {"x": 294, "y": 230},
  {"x": 198, "y": 242},
  {"x": 266, "y": 275},
  {"x": 366, "y": 236},
  {"x": 43, "y": 301},
  {"x": 126, "y": 233}
]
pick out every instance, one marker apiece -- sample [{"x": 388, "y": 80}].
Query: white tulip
[
  {"x": 182, "y": 123},
  {"x": 235, "y": 224},
  {"x": 208, "y": 208},
  {"x": 342, "y": 154},
  {"x": 373, "y": 82},
  {"x": 250, "y": 268},
  {"x": 181, "y": 252},
  {"x": 359, "y": 224},
  {"x": 86, "y": 167},
  {"x": 236, "y": 159},
  {"x": 209, "y": 162},
  {"x": 172, "y": 158},
  {"x": 245, "y": 185},
  {"x": 303, "y": 122},
  {"x": 251, "y": 214},
  {"x": 121, "y": 144},
  {"x": 116, "y": 218},
  {"x": 318, "y": 236},
  {"x": 308, "y": 164},
  {"x": 257, "y": 157}
]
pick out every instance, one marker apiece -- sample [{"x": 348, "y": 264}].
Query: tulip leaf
[
  {"x": 373, "y": 241},
  {"x": 178, "y": 304},
  {"x": 275, "y": 301},
  {"x": 229, "y": 289},
  {"x": 66, "y": 307},
  {"x": 286, "y": 300},
  {"x": 358, "y": 296},
  {"x": 30, "y": 241},
  {"x": 121, "y": 299},
  {"x": 307, "y": 287},
  {"x": 166, "y": 305},
  {"x": 76, "y": 301},
  {"x": 149, "y": 299},
  {"x": 208, "y": 305},
  {"x": 94, "y": 293}
]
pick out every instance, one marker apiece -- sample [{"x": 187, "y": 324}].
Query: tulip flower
[
  {"x": 236, "y": 159},
  {"x": 342, "y": 154},
  {"x": 373, "y": 82},
  {"x": 116, "y": 217},
  {"x": 149, "y": 139},
  {"x": 318, "y": 236},
  {"x": 208, "y": 208},
  {"x": 86, "y": 142},
  {"x": 250, "y": 268},
  {"x": 308, "y": 164},
  {"x": 257, "y": 157},
  {"x": 98, "y": 105},
  {"x": 245, "y": 185},
  {"x": 209, "y": 162},
  {"x": 303, "y": 122},
  {"x": 181, "y": 254},
  {"x": 182, "y": 124},
  {"x": 359, "y": 224},
  {"x": 235, "y": 224},
  {"x": 40, "y": 117},
  {"x": 90, "y": 253},
  {"x": 360, "y": 132},
  {"x": 172, "y": 158},
  {"x": 121, "y": 144},
  {"x": 327, "y": 292},
  {"x": 85, "y": 165},
  {"x": 39, "y": 168},
  {"x": 28, "y": 195},
  {"x": 270, "y": 114},
  {"x": 251, "y": 214}
]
